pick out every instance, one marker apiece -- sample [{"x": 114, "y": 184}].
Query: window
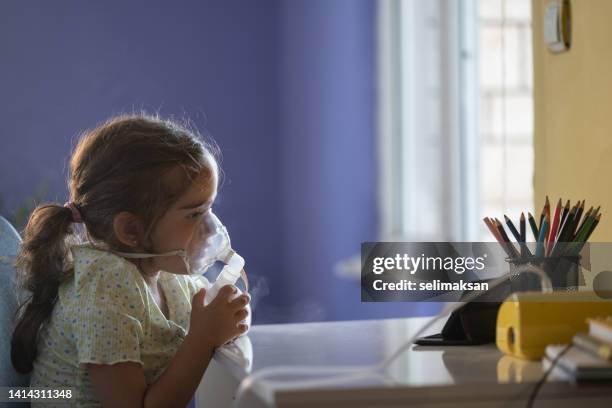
[
  {"x": 455, "y": 116},
  {"x": 506, "y": 106}
]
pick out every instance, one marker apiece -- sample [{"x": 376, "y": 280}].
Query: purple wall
[
  {"x": 287, "y": 88},
  {"x": 328, "y": 145},
  {"x": 68, "y": 65},
  {"x": 329, "y": 154}
]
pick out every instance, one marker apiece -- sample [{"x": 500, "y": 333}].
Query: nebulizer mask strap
[
  {"x": 136, "y": 255},
  {"x": 181, "y": 253}
]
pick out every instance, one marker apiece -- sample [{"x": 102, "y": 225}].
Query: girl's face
[{"x": 178, "y": 226}]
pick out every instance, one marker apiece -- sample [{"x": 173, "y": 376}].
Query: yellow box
[{"x": 529, "y": 321}]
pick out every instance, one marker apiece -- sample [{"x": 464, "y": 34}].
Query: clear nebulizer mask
[
  {"x": 216, "y": 247},
  {"x": 210, "y": 243},
  {"x": 213, "y": 244}
]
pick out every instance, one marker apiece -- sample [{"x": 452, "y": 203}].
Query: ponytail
[{"x": 42, "y": 264}]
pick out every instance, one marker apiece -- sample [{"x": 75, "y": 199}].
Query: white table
[{"x": 468, "y": 376}]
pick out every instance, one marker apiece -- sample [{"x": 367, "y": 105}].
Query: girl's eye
[{"x": 196, "y": 214}]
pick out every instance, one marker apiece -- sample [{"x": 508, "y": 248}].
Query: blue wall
[{"x": 287, "y": 89}]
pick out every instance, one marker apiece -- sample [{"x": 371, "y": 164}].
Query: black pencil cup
[{"x": 564, "y": 273}]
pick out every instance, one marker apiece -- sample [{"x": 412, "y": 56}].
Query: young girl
[{"x": 124, "y": 332}]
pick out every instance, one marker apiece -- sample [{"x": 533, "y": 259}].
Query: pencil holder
[{"x": 564, "y": 272}]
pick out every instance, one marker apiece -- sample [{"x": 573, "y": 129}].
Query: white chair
[{"x": 9, "y": 245}]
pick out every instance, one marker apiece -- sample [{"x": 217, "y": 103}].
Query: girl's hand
[{"x": 220, "y": 320}]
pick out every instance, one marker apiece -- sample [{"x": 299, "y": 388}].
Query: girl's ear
[{"x": 128, "y": 229}]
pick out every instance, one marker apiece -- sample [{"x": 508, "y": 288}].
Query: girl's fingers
[
  {"x": 227, "y": 291},
  {"x": 224, "y": 294},
  {"x": 198, "y": 298},
  {"x": 242, "y": 314},
  {"x": 241, "y": 301}
]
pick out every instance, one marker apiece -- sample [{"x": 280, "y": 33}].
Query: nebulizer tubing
[{"x": 342, "y": 374}]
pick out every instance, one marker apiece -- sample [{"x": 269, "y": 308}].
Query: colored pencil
[
  {"x": 492, "y": 228},
  {"x": 534, "y": 227},
  {"x": 586, "y": 226},
  {"x": 552, "y": 233},
  {"x": 579, "y": 214},
  {"x": 577, "y": 227},
  {"x": 504, "y": 236},
  {"x": 593, "y": 226},
  {"x": 497, "y": 235},
  {"x": 565, "y": 227},
  {"x": 583, "y": 239},
  {"x": 542, "y": 237},
  {"x": 564, "y": 214},
  {"x": 544, "y": 211},
  {"x": 564, "y": 231},
  {"x": 547, "y": 209},
  {"x": 523, "y": 232},
  {"x": 512, "y": 228},
  {"x": 584, "y": 229}
]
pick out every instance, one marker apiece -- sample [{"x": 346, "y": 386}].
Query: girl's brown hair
[{"x": 118, "y": 166}]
